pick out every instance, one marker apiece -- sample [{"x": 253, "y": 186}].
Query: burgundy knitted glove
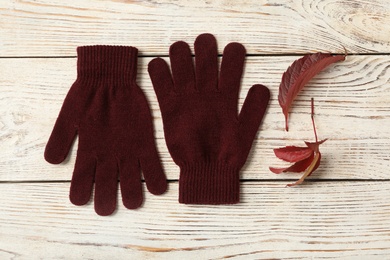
[
  {"x": 205, "y": 136},
  {"x": 109, "y": 112}
]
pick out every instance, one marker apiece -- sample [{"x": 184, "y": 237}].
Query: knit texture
[
  {"x": 205, "y": 135},
  {"x": 109, "y": 112},
  {"x": 209, "y": 183}
]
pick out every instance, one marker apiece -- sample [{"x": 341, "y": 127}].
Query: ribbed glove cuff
[
  {"x": 209, "y": 183},
  {"x": 104, "y": 61}
]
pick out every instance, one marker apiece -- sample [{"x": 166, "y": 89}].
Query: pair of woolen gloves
[{"x": 205, "y": 135}]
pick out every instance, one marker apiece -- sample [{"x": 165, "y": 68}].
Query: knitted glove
[
  {"x": 109, "y": 112},
  {"x": 205, "y": 136}
]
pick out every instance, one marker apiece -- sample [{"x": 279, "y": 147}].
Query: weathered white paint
[{"x": 342, "y": 213}]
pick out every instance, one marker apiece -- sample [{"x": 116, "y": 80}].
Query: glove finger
[
  {"x": 147, "y": 152},
  {"x": 182, "y": 66},
  {"x": 232, "y": 68},
  {"x": 155, "y": 179},
  {"x": 130, "y": 182},
  {"x": 206, "y": 59},
  {"x": 106, "y": 186},
  {"x": 82, "y": 180},
  {"x": 60, "y": 141},
  {"x": 252, "y": 113},
  {"x": 161, "y": 78}
]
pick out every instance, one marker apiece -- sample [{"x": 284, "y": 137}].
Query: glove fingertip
[
  {"x": 53, "y": 159},
  {"x": 179, "y": 48},
  {"x": 255, "y": 103},
  {"x": 56, "y": 152},
  {"x": 105, "y": 211},
  {"x": 235, "y": 49},
  {"x": 60, "y": 141},
  {"x": 260, "y": 92},
  {"x": 134, "y": 203},
  {"x": 156, "y": 181},
  {"x": 159, "y": 187},
  {"x": 205, "y": 39},
  {"x": 155, "y": 64}
]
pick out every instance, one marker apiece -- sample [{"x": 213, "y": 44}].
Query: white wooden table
[{"x": 342, "y": 211}]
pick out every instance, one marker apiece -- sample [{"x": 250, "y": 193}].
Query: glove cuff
[
  {"x": 105, "y": 61},
  {"x": 209, "y": 183}
]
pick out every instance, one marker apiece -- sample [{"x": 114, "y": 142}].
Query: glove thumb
[{"x": 251, "y": 115}]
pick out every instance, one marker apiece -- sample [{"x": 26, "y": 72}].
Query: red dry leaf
[
  {"x": 298, "y": 74},
  {"x": 304, "y": 158}
]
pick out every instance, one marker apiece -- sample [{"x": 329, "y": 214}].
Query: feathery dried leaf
[{"x": 298, "y": 74}]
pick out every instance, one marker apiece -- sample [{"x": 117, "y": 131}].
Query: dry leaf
[
  {"x": 304, "y": 158},
  {"x": 298, "y": 74}
]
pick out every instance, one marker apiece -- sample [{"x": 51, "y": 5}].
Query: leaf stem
[
  {"x": 286, "y": 120},
  {"x": 308, "y": 171},
  {"x": 312, "y": 119}
]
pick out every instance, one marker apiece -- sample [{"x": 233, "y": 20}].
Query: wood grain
[
  {"x": 324, "y": 220},
  {"x": 351, "y": 100},
  {"x": 343, "y": 212},
  {"x": 55, "y": 27}
]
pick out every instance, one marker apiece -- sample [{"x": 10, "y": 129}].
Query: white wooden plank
[
  {"x": 351, "y": 100},
  {"x": 338, "y": 220},
  {"x": 55, "y": 27},
  {"x": 321, "y": 220}
]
